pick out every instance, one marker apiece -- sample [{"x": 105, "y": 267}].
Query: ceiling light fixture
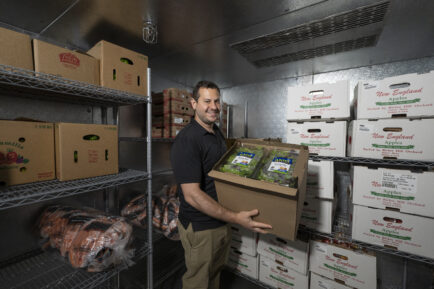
[{"x": 150, "y": 33}]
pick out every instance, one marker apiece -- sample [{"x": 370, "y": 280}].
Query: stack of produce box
[
  {"x": 339, "y": 266},
  {"x": 317, "y": 117},
  {"x": 171, "y": 112},
  {"x": 394, "y": 207}
]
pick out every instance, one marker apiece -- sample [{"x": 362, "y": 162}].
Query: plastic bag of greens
[
  {"x": 243, "y": 161},
  {"x": 278, "y": 168}
]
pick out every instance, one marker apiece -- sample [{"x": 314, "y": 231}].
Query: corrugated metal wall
[{"x": 267, "y": 102}]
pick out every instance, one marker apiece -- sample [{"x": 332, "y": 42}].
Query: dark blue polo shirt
[{"x": 193, "y": 155}]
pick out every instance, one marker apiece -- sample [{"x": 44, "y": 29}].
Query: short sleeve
[{"x": 186, "y": 160}]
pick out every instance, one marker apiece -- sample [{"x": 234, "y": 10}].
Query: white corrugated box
[
  {"x": 278, "y": 276},
  {"x": 354, "y": 269},
  {"x": 405, "y": 232},
  {"x": 319, "y": 101},
  {"x": 244, "y": 263},
  {"x": 291, "y": 254},
  {"x": 409, "y": 95},
  {"x": 320, "y": 282},
  {"x": 244, "y": 240},
  {"x": 318, "y": 214},
  {"x": 322, "y": 138},
  {"x": 320, "y": 179},
  {"x": 407, "y": 191},
  {"x": 392, "y": 138}
]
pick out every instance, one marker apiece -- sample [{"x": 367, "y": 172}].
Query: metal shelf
[
  {"x": 51, "y": 271},
  {"x": 26, "y": 194},
  {"x": 28, "y": 83},
  {"x": 363, "y": 245},
  {"x": 357, "y": 160}
]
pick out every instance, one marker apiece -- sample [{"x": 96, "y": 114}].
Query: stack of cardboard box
[
  {"x": 394, "y": 207},
  {"x": 41, "y": 151},
  {"x": 171, "y": 112},
  {"x": 317, "y": 117},
  {"x": 223, "y": 122}
]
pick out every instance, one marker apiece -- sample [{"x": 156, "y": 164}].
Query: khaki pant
[{"x": 206, "y": 253}]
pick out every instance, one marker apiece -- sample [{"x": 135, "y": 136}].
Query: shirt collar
[{"x": 202, "y": 129}]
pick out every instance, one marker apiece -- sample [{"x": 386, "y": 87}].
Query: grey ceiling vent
[
  {"x": 318, "y": 51},
  {"x": 333, "y": 34}
]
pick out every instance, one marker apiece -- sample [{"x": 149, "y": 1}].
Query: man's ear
[{"x": 193, "y": 103}]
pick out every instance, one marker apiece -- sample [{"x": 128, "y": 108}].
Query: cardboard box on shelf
[
  {"x": 404, "y": 190},
  {"x": 404, "y": 232},
  {"x": 243, "y": 240},
  {"x": 157, "y": 132},
  {"x": 318, "y": 214},
  {"x": 319, "y": 101},
  {"x": 354, "y": 269},
  {"x": 278, "y": 205},
  {"x": 320, "y": 180},
  {"x": 322, "y": 138},
  {"x": 278, "y": 276},
  {"x": 121, "y": 68},
  {"x": 243, "y": 263},
  {"x": 15, "y": 49},
  {"x": 408, "y": 95},
  {"x": 291, "y": 254},
  {"x": 320, "y": 282},
  {"x": 85, "y": 150},
  {"x": 171, "y": 131},
  {"x": 26, "y": 152},
  {"x": 392, "y": 139},
  {"x": 171, "y": 119},
  {"x": 66, "y": 63}
]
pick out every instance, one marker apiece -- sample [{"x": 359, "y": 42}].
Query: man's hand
[{"x": 244, "y": 218}]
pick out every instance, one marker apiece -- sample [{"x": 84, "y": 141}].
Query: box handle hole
[
  {"x": 313, "y": 130},
  {"x": 340, "y": 256},
  {"x": 282, "y": 269},
  {"x": 393, "y": 129},
  {"x": 114, "y": 74},
  {"x": 392, "y": 220},
  {"x": 22, "y": 139},
  {"x": 75, "y": 156},
  {"x": 316, "y": 92},
  {"x": 91, "y": 137},
  {"x": 106, "y": 155},
  {"x": 399, "y": 85},
  {"x": 126, "y": 60},
  {"x": 23, "y": 169},
  {"x": 138, "y": 80}
]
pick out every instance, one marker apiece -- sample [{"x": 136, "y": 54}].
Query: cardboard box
[
  {"x": 244, "y": 240},
  {"x": 244, "y": 263},
  {"x": 319, "y": 101},
  {"x": 278, "y": 205},
  {"x": 172, "y": 131},
  {"x": 176, "y": 106},
  {"x": 26, "y": 152},
  {"x": 85, "y": 150},
  {"x": 121, "y": 68},
  {"x": 318, "y": 214},
  {"x": 171, "y": 94},
  {"x": 408, "y": 95},
  {"x": 66, "y": 63},
  {"x": 322, "y": 138},
  {"x": 157, "y": 132},
  {"x": 278, "y": 276},
  {"x": 15, "y": 49},
  {"x": 320, "y": 180},
  {"x": 320, "y": 282},
  {"x": 170, "y": 119},
  {"x": 403, "y": 190},
  {"x": 291, "y": 254},
  {"x": 392, "y": 139},
  {"x": 404, "y": 232},
  {"x": 354, "y": 269}
]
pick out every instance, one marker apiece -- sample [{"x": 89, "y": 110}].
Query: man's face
[{"x": 207, "y": 106}]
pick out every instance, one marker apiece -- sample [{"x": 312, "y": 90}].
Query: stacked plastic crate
[
  {"x": 171, "y": 111},
  {"x": 395, "y": 119}
]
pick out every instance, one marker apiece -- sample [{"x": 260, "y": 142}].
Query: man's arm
[{"x": 207, "y": 205}]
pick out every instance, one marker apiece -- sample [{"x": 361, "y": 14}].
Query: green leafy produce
[
  {"x": 243, "y": 161},
  {"x": 278, "y": 168}
]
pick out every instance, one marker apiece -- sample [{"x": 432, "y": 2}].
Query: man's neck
[{"x": 208, "y": 127}]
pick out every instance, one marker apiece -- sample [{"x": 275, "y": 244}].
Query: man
[{"x": 203, "y": 228}]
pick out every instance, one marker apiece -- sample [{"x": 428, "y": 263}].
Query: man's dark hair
[{"x": 204, "y": 84}]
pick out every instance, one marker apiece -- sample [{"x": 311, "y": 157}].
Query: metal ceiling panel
[{"x": 30, "y": 15}]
